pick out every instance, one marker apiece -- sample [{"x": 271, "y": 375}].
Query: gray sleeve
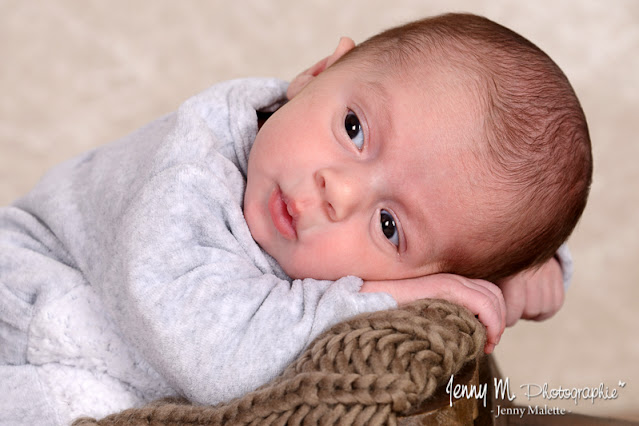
[
  {"x": 564, "y": 258},
  {"x": 154, "y": 223},
  {"x": 188, "y": 286}
]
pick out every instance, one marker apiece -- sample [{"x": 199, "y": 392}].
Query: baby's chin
[
  {"x": 301, "y": 266},
  {"x": 316, "y": 272},
  {"x": 300, "y": 274}
]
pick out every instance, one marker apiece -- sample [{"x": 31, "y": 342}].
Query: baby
[
  {"x": 198, "y": 256},
  {"x": 446, "y": 145}
]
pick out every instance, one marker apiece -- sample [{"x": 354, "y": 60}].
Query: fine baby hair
[{"x": 535, "y": 148}]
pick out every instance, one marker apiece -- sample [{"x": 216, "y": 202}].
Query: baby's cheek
[
  {"x": 311, "y": 261},
  {"x": 252, "y": 217},
  {"x": 338, "y": 257}
]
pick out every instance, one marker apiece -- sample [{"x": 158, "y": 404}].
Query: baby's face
[{"x": 357, "y": 175}]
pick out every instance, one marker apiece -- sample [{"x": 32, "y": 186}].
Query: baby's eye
[
  {"x": 388, "y": 227},
  {"x": 354, "y": 129}
]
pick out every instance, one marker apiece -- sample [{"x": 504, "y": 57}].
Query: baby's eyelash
[
  {"x": 389, "y": 227},
  {"x": 354, "y": 129}
]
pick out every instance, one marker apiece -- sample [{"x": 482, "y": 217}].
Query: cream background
[{"x": 76, "y": 74}]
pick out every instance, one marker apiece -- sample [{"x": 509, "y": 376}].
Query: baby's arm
[{"x": 482, "y": 298}]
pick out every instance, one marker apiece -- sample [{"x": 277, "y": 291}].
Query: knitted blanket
[{"x": 366, "y": 370}]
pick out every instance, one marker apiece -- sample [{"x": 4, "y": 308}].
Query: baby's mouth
[{"x": 282, "y": 219}]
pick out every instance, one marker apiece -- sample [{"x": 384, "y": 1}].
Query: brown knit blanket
[{"x": 367, "y": 370}]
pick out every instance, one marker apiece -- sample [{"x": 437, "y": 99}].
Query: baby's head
[{"x": 449, "y": 144}]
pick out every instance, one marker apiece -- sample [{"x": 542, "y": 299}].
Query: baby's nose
[{"x": 341, "y": 192}]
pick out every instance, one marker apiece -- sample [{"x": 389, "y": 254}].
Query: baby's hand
[
  {"x": 534, "y": 294},
  {"x": 482, "y": 298}
]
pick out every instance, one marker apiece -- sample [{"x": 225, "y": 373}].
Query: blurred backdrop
[{"x": 77, "y": 74}]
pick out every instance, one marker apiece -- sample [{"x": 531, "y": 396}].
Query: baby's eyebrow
[
  {"x": 378, "y": 89},
  {"x": 380, "y": 103}
]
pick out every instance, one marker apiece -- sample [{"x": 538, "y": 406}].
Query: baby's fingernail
[{"x": 489, "y": 348}]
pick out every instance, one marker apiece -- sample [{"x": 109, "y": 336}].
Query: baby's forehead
[
  {"x": 431, "y": 98},
  {"x": 450, "y": 68}
]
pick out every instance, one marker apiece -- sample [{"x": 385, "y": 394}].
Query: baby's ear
[{"x": 301, "y": 81}]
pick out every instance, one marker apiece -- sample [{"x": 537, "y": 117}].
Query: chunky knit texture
[{"x": 367, "y": 370}]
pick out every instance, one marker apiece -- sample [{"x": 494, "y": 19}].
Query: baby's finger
[
  {"x": 535, "y": 296},
  {"x": 498, "y": 295},
  {"x": 514, "y": 293},
  {"x": 555, "y": 300},
  {"x": 497, "y": 315},
  {"x": 494, "y": 327},
  {"x": 560, "y": 295},
  {"x": 484, "y": 300},
  {"x": 489, "y": 308}
]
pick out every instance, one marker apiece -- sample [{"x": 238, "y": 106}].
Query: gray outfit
[{"x": 129, "y": 273}]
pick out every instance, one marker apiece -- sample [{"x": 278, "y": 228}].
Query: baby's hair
[{"x": 536, "y": 154}]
